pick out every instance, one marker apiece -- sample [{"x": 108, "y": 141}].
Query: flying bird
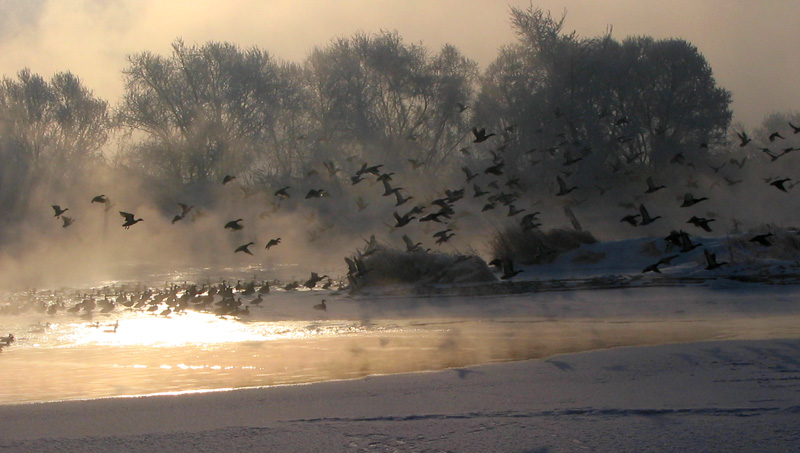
[
  {"x": 273, "y": 242},
  {"x": 562, "y": 187},
  {"x": 100, "y": 199},
  {"x": 711, "y": 260},
  {"x": 227, "y": 179},
  {"x": 690, "y": 200},
  {"x": 129, "y": 219},
  {"x": 654, "y": 267},
  {"x": 651, "y": 186},
  {"x": 282, "y": 192},
  {"x": 67, "y": 221},
  {"x": 244, "y": 248},
  {"x": 480, "y": 135},
  {"x": 646, "y": 219},
  {"x": 762, "y": 239},
  {"x": 779, "y": 183},
  {"x": 744, "y": 139},
  {"x": 58, "y": 210},
  {"x": 701, "y": 222},
  {"x": 234, "y": 225}
]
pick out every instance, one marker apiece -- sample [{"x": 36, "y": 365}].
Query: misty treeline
[{"x": 189, "y": 118}]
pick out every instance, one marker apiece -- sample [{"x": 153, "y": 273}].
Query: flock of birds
[{"x": 227, "y": 300}]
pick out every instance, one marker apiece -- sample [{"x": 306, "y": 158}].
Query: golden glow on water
[{"x": 195, "y": 352}]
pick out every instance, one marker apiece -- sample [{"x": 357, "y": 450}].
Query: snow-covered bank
[{"x": 708, "y": 396}]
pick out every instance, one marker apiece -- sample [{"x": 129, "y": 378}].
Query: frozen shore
[{"x": 706, "y": 396}]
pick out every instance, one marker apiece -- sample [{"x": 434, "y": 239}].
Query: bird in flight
[
  {"x": 244, "y": 248},
  {"x": 58, "y": 210},
  {"x": 130, "y": 219},
  {"x": 481, "y": 135}
]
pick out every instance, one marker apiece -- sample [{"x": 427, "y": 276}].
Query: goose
[
  {"x": 701, "y": 222},
  {"x": 794, "y": 128},
  {"x": 508, "y": 269},
  {"x": 478, "y": 192},
  {"x": 480, "y": 135},
  {"x": 631, "y": 219},
  {"x": 388, "y": 189},
  {"x": 711, "y": 260},
  {"x": 361, "y": 204},
  {"x": 227, "y": 179},
  {"x": 470, "y": 175},
  {"x": 272, "y": 242},
  {"x": 690, "y": 200},
  {"x": 646, "y": 219},
  {"x": 779, "y": 184},
  {"x": 562, "y": 187},
  {"x": 400, "y": 199},
  {"x": 8, "y": 339},
  {"x": 321, "y": 306},
  {"x": 316, "y": 193},
  {"x": 312, "y": 282},
  {"x": 410, "y": 245},
  {"x": 686, "y": 243},
  {"x": 99, "y": 199},
  {"x": 774, "y": 136},
  {"x": 496, "y": 169},
  {"x": 402, "y": 220},
  {"x": 244, "y": 248},
  {"x": 744, "y": 139},
  {"x": 234, "y": 225},
  {"x": 67, "y": 221},
  {"x": 282, "y": 192},
  {"x": 58, "y": 210},
  {"x": 444, "y": 238},
  {"x": 185, "y": 209},
  {"x": 512, "y": 211},
  {"x": 762, "y": 239},
  {"x": 129, "y": 219},
  {"x": 651, "y": 186},
  {"x": 654, "y": 267}
]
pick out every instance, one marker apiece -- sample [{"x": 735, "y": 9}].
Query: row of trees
[{"x": 204, "y": 111}]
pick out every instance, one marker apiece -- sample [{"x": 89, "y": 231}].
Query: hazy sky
[{"x": 752, "y": 45}]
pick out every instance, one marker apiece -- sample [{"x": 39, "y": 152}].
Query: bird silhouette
[
  {"x": 690, "y": 200},
  {"x": 99, "y": 199},
  {"x": 129, "y": 219},
  {"x": 686, "y": 242},
  {"x": 631, "y": 219},
  {"x": 410, "y": 245},
  {"x": 67, "y": 221},
  {"x": 313, "y": 280},
  {"x": 244, "y": 248},
  {"x": 234, "y": 225},
  {"x": 480, "y": 135},
  {"x": 402, "y": 220},
  {"x": 508, "y": 269},
  {"x": 774, "y": 136},
  {"x": 646, "y": 219},
  {"x": 316, "y": 193},
  {"x": 701, "y": 222},
  {"x": 282, "y": 192},
  {"x": 779, "y": 183},
  {"x": 795, "y": 129},
  {"x": 227, "y": 179},
  {"x": 469, "y": 173},
  {"x": 185, "y": 209},
  {"x": 762, "y": 239},
  {"x": 58, "y": 210},
  {"x": 321, "y": 306},
  {"x": 654, "y": 267},
  {"x": 562, "y": 187},
  {"x": 651, "y": 186},
  {"x": 273, "y": 242},
  {"x": 743, "y": 138},
  {"x": 711, "y": 260}
]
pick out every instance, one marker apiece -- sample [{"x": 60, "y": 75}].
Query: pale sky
[{"x": 752, "y": 45}]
